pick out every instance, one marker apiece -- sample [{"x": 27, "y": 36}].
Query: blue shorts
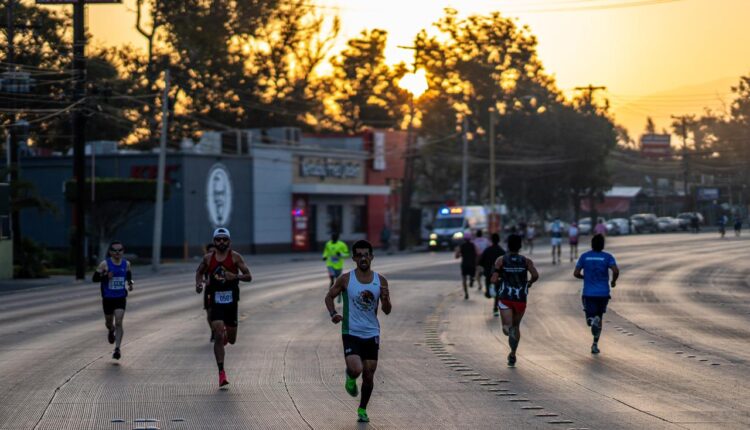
[
  {"x": 594, "y": 305},
  {"x": 334, "y": 272}
]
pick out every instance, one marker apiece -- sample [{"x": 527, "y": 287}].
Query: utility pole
[
  {"x": 465, "y": 161},
  {"x": 79, "y": 138},
  {"x": 15, "y": 219},
  {"x": 493, "y": 218},
  {"x": 159, "y": 210},
  {"x": 588, "y": 100},
  {"x": 684, "y": 119}
]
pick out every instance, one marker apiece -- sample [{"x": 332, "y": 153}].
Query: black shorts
[
  {"x": 366, "y": 349},
  {"x": 594, "y": 305},
  {"x": 110, "y": 304},
  {"x": 228, "y": 313},
  {"x": 468, "y": 271}
]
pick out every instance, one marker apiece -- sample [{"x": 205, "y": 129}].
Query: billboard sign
[
  {"x": 378, "y": 156},
  {"x": 656, "y": 145},
  {"x": 708, "y": 194}
]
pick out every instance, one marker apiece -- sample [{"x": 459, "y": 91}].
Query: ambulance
[{"x": 451, "y": 223}]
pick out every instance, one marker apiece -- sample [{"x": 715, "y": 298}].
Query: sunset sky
[{"x": 656, "y": 57}]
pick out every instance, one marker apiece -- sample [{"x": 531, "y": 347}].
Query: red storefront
[{"x": 386, "y": 169}]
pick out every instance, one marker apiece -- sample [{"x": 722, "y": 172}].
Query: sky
[{"x": 655, "y": 57}]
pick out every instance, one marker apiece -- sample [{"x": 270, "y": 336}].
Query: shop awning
[{"x": 339, "y": 189}]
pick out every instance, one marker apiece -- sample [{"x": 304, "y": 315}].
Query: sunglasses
[
  {"x": 221, "y": 239},
  {"x": 359, "y": 255},
  {"x": 116, "y": 249}
]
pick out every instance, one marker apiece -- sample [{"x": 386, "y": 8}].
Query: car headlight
[
  {"x": 433, "y": 236},
  {"x": 458, "y": 235},
  {"x": 433, "y": 242}
]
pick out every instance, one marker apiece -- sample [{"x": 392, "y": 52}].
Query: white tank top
[{"x": 361, "y": 307}]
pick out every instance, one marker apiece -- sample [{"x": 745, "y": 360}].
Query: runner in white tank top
[{"x": 362, "y": 290}]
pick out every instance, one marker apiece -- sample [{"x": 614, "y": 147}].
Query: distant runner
[
  {"x": 333, "y": 254},
  {"x": 487, "y": 261},
  {"x": 723, "y": 220},
  {"x": 113, "y": 275},
  {"x": 530, "y": 236},
  {"x": 480, "y": 243},
  {"x": 362, "y": 289},
  {"x": 512, "y": 271},
  {"x": 209, "y": 249},
  {"x": 556, "y": 240},
  {"x": 225, "y": 269},
  {"x": 468, "y": 255},
  {"x": 573, "y": 241},
  {"x": 595, "y": 265},
  {"x": 737, "y": 226}
]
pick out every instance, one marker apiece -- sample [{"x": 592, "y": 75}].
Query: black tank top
[{"x": 514, "y": 278}]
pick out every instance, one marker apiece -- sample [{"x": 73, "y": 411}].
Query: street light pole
[
  {"x": 493, "y": 225},
  {"x": 79, "y": 139}
]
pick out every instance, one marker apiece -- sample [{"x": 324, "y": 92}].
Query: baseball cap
[{"x": 221, "y": 231}]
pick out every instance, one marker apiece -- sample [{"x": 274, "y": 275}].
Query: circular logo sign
[{"x": 219, "y": 195}]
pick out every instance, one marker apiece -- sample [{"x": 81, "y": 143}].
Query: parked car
[
  {"x": 618, "y": 226},
  {"x": 686, "y": 218},
  {"x": 667, "y": 224},
  {"x": 644, "y": 223},
  {"x": 585, "y": 227}
]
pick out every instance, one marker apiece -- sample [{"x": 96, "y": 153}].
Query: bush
[{"x": 32, "y": 260}]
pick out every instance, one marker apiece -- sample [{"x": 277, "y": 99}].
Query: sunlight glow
[{"x": 415, "y": 83}]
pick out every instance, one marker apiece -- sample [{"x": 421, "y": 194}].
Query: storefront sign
[
  {"x": 300, "y": 220},
  {"x": 378, "y": 151},
  {"x": 219, "y": 195},
  {"x": 329, "y": 168}
]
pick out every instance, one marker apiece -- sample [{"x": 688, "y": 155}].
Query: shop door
[{"x": 312, "y": 227}]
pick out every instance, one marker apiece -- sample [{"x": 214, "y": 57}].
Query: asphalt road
[{"x": 675, "y": 350}]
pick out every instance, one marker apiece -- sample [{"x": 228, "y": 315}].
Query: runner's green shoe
[
  {"x": 351, "y": 386},
  {"x": 362, "y": 416}
]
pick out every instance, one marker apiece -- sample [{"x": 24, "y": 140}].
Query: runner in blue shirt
[
  {"x": 113, "y": 276},
  {"x": 595, "y": 265}
]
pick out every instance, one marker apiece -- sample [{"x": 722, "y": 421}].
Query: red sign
[
  {"x": 656, "y": 145},
  {"x": 300, "y": 219}
]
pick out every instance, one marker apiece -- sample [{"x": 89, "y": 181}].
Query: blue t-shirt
[{"x": 595, "y": 267}]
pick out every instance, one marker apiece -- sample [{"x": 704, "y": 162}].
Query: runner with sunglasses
[
  {"x": 114, "y": 275},
  {"x": 361, "y": 289},
  {"x": 225, "y": 269}
]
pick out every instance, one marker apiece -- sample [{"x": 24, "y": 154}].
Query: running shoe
[
  {"x": 116, "y": 355},
  {"x": 351, "y": 387},
  {"x": 511, "y": 360},
  {"x": 111, "y": 336},
  {"x": 466, "y": 296},
  {"x": 223, "y": 378},
  {"x": 362, "y": 416},
  {"x": 594, "y": 348},
  {"x": 495, "y": 313}
]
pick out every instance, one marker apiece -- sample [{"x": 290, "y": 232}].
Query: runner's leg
[
  {"x": 466, "y": 289},
  {"x": 368, "y": 382},
  {"x": 219, "y": 333},
  {"x": 506, "y": 316},
  {"x": 514, "y": 336},
  {"x": 119, "y": 331},
  {"x": 231, "y": 334}
]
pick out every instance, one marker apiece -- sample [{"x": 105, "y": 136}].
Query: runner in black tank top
[
  {"x": 512, "y": 272},
  {"x": 224, "y": 268}
]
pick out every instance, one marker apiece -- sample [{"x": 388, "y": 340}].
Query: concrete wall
[{"x": 272, "y": 174}]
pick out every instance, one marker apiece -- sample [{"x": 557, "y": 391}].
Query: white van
[{"x": 451, "y": 222}]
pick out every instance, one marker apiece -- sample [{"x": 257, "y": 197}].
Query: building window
[
  {"x": 334, "y": 217},
  {"x": 359, "y": 218}
]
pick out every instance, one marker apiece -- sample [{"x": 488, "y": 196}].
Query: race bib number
[
  {"x": 117, "y": 283},
  {"x": 223, "y": 297},
  {"x": 334, "y": 259}
]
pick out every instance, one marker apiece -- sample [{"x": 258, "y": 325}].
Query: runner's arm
[
  {"x": 498, "y": 268},
  {"x": 532, "y": 270},
  {"x": 334, "y": 291},
  {"x": 577, "y": 273},
  {"x": 244, "y": 275},
  {"x": 385, "y": 295},
  {"x": 615, "y": 274},
  {"x": 199, "y": 274},
  {"x": 101, "y": 269},
  {"x": 129, "y": 277}
]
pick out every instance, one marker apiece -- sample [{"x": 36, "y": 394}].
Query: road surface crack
[{"x": 286, "y": 387}]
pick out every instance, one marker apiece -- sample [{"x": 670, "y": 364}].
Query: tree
[
  {"x": 117, "y": 201},
  {"x": 650, "y": 126},
  {"x": 363, "y": 89}
]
